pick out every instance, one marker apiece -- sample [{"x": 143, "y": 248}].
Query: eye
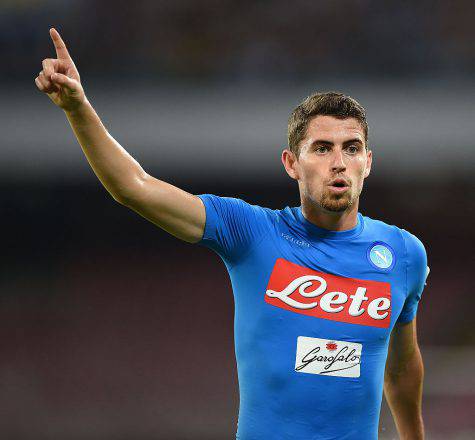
[
  {"x": 321, "y": 149},
  {"x": 352, "y": 149}
]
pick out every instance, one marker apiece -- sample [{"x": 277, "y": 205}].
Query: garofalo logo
[
  {"x": 332, "y": 358},
  {"x": 303, "y": 290}
]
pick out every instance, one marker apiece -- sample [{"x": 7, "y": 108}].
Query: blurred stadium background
[{"x": 114, "y": 330}]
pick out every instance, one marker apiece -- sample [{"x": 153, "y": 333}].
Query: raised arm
[{"x": 176, "y": 211}]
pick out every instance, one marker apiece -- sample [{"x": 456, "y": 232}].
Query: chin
[{"x": 336, "y": 205}]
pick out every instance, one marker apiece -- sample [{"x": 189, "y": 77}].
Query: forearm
[
  {"x": 403, "y": 391},
  {"x": 176, "y": 211},
  {"x": 118, "y": 171}
]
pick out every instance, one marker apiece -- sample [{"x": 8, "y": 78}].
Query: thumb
[{"x": 63, "y": 80}]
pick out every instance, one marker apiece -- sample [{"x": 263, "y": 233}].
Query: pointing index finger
[{"x": 61, "y": 51}]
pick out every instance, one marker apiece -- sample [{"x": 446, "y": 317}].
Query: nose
[{"x": 337, "y": 163}]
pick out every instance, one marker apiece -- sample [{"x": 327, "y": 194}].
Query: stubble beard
[
  {"x": 332, "y": 202},
  {"x": 336, "y": 202}
]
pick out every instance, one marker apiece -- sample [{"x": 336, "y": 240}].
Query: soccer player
[{"x": 325, "y": 298}]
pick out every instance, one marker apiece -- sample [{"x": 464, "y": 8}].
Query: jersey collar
[{"x": 313, "y": 230}]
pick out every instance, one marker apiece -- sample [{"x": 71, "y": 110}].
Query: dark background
[{"x": 114, "y": 330}]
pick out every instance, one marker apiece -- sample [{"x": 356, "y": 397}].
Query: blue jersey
[{"x": 314, "y": 310}]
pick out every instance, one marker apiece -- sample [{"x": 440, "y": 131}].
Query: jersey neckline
[{"x": 315, "y": 231}]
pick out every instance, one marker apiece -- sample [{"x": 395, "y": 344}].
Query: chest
[{"x": 329, "y": 289}]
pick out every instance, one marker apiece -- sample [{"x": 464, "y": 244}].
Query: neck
[{"x": 333, "y": 221}]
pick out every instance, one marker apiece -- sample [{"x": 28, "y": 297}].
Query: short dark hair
[{"x": 329, "y": 104}]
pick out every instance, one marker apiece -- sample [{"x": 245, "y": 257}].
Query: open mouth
[{"x": 339, "y": 185}]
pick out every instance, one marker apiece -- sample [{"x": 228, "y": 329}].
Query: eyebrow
[{"x": 324, "y": 142}]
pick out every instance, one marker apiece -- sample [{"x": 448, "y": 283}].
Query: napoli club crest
[{"x": 381, "y": 256}]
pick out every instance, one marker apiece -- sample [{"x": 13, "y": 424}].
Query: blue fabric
[{"x": 276, "y": 400}]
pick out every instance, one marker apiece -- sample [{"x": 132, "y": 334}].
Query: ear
[
  {"x": 290, "y": 163},
  {"x": 369, "y": 161}
]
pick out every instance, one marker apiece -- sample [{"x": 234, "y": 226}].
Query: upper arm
[
  {"x": 174, "y": 210},
  {"x": 403, "y": 348},
  {"x": 233, "y": 226},
  {"x": 416, "y": 276}
]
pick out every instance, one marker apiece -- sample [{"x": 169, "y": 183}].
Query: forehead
[{"x": 333, "y": 129}]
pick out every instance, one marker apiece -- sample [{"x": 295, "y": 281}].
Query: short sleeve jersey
[{"x": 314, "y": 310}]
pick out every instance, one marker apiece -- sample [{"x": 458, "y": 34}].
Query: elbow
[
  {"x": 129, "y": 193},
  {"x": 120, "y": 200}
]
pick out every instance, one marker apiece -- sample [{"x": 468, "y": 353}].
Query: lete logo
[{"x": 321, "y": 295}]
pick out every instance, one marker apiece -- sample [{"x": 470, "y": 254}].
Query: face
[{"x": 332, "y": 164}]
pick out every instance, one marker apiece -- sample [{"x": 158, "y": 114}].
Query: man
[{"x": 324, "y": 296}]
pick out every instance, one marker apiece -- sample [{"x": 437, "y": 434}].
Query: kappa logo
[
  {"x": 294, "y": 240},
  {"x": 322, "y": 295}
]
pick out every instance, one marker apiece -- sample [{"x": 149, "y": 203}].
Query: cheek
[
  {"x": 359, "y": 164},
  {"x": 312, "y": 181},
  {"x": 315, "y": 180},
  {"x": 311, "y": 173}
]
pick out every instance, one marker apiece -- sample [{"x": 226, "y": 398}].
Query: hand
[{"x": 60, "y": 79}]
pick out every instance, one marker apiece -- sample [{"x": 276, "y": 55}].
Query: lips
[
  {"x": 339, "y": 183},
  {"x": 338, "y": 186}
]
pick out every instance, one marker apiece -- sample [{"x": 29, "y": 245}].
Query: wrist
[{"x": 79, "y": 110}]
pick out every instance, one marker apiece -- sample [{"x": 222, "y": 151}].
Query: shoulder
[
  {"x": 413, "y": 245},
  {"x": 229, "y": 202},
  {"x": 408, "y": 245},
  {"x": 236, "y": 209},
  {"x": 378, "y": 225},
  {"x": 379, "y": 228},
  {"x": 417, "y": 268},
  {"x": 407, "y": 242},
  {"x": 233, "y": 225},
  {"x": 416, "y": 254}
]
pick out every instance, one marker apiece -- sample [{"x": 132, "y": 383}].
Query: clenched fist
[{"x": 60, "y": 79}]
